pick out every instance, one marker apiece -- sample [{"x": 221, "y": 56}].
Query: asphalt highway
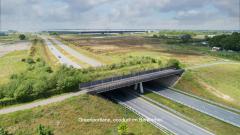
[
  {"x": 62, "y": 58},
  {"x": 160, "y": 117},
  {"x": 76, "y": 54},
  {"x": 202, "y": 106}
]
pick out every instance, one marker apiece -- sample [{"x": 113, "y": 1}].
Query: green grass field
[
  {"x": 11, "y": 63},
  {"x": 63, "y": 118},
  {"x": 219, "y": 83},
  {"x": 215, "y": 126}
]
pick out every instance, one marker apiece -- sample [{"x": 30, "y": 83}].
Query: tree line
[{"x": 226, "y": 42}]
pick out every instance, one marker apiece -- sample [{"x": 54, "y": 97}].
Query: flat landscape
[{"x": 41, "y": 74}]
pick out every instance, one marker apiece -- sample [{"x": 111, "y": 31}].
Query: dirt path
[{"x": 7, "y": 48}]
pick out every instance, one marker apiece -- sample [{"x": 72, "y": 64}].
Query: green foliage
[
  {"x": 155, "y": 36},
  {"x": 185, "y": 38},
  {"x": 173, "y": 63},
  {"x": 3, "y": 132},
  {"x": 226, "y": 42},
  {"x": 123, "y": 128},
  {"x": 42, "y": 130},
  {"x": 22, "y": 37},
  {"x": 53, "y": 33},
  {"x": 30, "y": 61},
  {"x": 40, "y": 81}
]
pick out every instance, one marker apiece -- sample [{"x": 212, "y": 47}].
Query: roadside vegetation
[
  {"x": 40, "y": 51},
  {"x": 219, "y": 83},
  {"x": 215, "y": 126},
  {"x": 65, "y": 118},
  {"x": 39, "y": 80}
]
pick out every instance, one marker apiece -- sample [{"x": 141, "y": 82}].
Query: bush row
[{"x": 40, "y": 81}]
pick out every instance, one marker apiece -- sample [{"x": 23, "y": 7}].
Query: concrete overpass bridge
[{"x": 164, "y": 76}]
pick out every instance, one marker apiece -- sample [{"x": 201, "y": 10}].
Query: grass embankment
[
  {"x": 11, "y": 63},
  {"x": 219, "y": 83},
  {"x": 215, "y": 126},
  {"x": 63, "y": 118},
  {"x": 40, "y": 50}
]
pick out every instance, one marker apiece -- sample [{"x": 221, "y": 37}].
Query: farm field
[
  {"x": 117, "y": 48},
  {"x": 63, "y": 118}
]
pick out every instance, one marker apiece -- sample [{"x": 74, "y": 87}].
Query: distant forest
[{"x": 226, "y": 42}]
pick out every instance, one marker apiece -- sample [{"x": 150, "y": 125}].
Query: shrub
[
  {"x": 122, "y": 129},
  {"x": 30, "y": 61},
  {"x": 173, "y": 63},
  {"x": 23, "y": 91},
  {"x": 23, "y": 59},
  {"x": 22, "y": 37},
  {"x": 42, "y": 130},
  {"x": 155, "y": 36}
]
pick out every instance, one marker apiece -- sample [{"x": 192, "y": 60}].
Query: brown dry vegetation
[{"x": 118, "y": 47}]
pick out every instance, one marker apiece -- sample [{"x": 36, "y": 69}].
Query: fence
[{"x": 111, "y": 79}]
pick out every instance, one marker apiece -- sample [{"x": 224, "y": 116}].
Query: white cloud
[{"x": 46, "y": 14}]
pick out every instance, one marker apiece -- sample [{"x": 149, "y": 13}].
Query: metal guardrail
[{"x": 111, "y": 79}]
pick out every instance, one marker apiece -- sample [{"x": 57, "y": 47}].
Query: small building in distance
[{"x": 211, "y": 36}]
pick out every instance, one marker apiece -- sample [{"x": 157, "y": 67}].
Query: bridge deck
[{"x": 128, "y": 80}]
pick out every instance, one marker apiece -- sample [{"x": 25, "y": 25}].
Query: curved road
[
  {"x": 81, "y": 57},
  {"x": 164, "y": 118}
]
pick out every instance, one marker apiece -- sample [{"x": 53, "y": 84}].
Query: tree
[
  {"x": 53, "y": 33},
  {"x": 42, "y": 130},
  {"x": 155, "y": 36},
  {"x": 23, "y": 91},
  {"x": 123, "y": 129},
  {"x": 22, "y": 37},
  {"x": 185, "y": 38}
]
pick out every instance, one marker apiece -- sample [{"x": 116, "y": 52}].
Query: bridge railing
[{"x": 116, "y": 78}]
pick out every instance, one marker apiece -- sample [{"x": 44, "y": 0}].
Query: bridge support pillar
[
  {"x": 135, "y": 86},
  {"x": 141, "y": 88}
]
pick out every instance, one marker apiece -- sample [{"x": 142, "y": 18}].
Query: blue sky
[{"x": 35, "y": 15}]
